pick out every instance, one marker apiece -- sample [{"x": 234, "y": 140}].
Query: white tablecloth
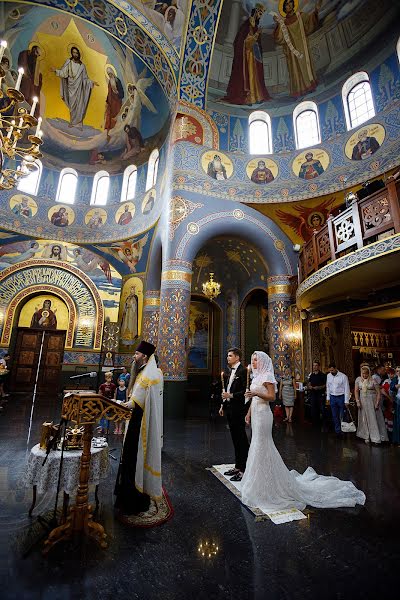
[{"x": 46, "y": 477}]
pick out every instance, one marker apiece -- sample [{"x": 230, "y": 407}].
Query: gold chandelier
[
  {"x": 211, "y": 288},
  {"x": 15, "y": 122}
]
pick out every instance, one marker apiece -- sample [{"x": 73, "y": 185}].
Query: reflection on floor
[{"x": 342, "y": 553}]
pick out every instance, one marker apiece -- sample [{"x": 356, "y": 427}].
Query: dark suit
[{"x": 235, "y": 411}]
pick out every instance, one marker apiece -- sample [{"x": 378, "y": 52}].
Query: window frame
[
  {"x": 348, "y": 86},
  {"x": 39, "y": 169},
  {"x": 263, "y": 117},
  {"x": 98, "y": 176},
  {"x": 63, "y": 172},
  {"x": 152, "y": 169},
  {"x": 129, "y": 171},
  {"x": 303, "y": 107}
]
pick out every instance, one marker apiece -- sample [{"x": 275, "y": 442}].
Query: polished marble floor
[{"x": 334, "y": 554}]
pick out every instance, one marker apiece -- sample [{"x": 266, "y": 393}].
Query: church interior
[{"x": 202, "y": 175}]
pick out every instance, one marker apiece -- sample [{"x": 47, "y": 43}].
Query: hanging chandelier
[
  {"x": 15, "y": 122},
  {"x": 211, "y": 288}
]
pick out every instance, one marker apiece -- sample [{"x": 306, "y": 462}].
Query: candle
[
  {"x": 34, "y": 104},
  {"x": 39, "y": 122},
  {"x": 248, "y": 376},
  {"x": 11, "y": 129},
  {"x": 40, "y": 134},
  {"x": 20, "y": 73},
  {"x": 222, "y": 381},
  {"x": 3, "y": 46}
]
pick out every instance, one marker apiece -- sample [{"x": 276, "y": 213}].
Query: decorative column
[
  {"x": 174, "y": 319},
  {"x": 234, "y": 21},
  {"x": 279, "y": 301},
  {"x": 151, "y": 316}
]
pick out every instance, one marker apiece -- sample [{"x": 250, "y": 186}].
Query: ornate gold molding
[{"x": 173, "y": 275}]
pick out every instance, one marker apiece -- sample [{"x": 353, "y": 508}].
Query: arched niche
[
  {"x": 254, "y": 322},
  {"x": 30, "y": 277}
]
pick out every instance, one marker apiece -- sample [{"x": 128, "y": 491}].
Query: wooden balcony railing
[{"x": 357, "y": 226}]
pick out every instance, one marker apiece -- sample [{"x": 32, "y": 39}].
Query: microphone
[{"x": 92, "y": 374}]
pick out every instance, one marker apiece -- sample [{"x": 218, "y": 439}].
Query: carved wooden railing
[{"x": 351, "y": 229}]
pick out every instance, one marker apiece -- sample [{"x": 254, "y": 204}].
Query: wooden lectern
[{"x": 85, "y": 409}]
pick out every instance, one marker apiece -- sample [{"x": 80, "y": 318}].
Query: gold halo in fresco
[
  {"x": 112, "y": 68},
  {"x": 95, "y": 218},
  {"x": 61, "y": 215},
  {"x": 23, "y": 206},
  {"x": 310, "y": 164},
  {"x": 365, "y": 142},
  {"x": 262, "y": 170},
  {"x": 125, "y": 213},
  {"x": 282, "y": 2},
  {"x": 148, "y": 202},
  {"x": 217, "y": 165}
]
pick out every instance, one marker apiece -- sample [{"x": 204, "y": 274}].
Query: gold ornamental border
[
  {"x": 280, "y": 289},
  {"x": 175, "y": 275}
]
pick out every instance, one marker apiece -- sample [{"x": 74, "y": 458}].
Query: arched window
[
  {"x": 306, "y": 125},
  {"x": 260, "y": 133},
  {"x": 67, "y": 186},
  {"x": 129, "y": 183},
  {"x": 101, "y": 183},
  {"x": 357, "y": 99},
  {"x": 30, "y": 183},
  {"x": 152, "y": 169}
]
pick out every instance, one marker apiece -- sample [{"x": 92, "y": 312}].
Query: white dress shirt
[
  {"x": 232, "y": 377},
  {"x": 338, "y": 385}
]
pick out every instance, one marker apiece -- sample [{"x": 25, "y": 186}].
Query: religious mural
[
  {"x": 125, "y": 213},
  {"x": 365, "y": 142},
  {"x": 61, "y": 215},
  {"x": 95, "y": 218},
  {"x": 131, "y": 308},
  {"x": 45, "y": 311},
  {"x": 98, "y": 102},
  {"x": 199, "y": 335},
  {"x": 299, "y": 220},
  {"x": 310, "y": 164},
  {"x": 276, "y": 55},
  {"x": 262, "y": 170},
  {"x": 101, "y": 272},
  {"x": 218, "y": 166},
  {"x": 129, "y": 252},
  {"x": 148, "y": 202},
  {"x": 23, "y": 206}
]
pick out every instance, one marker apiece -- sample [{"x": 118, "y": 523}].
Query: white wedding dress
[{"x": 269, "y": 485}]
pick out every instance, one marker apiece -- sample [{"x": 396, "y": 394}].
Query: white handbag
[{"x": 348, "y": 427}]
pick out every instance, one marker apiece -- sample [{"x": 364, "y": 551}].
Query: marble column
[
  {"x": 234, "y": 21},
  {"x": 151, "y": 316},
  {"x": 279, "y": 301},
  {"x": 174, "y": 319}
]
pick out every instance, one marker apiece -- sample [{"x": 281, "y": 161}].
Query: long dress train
[{"x": 269, "y": 485}]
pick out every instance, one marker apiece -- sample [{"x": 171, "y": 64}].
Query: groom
[{"x": 233, "y": 405}]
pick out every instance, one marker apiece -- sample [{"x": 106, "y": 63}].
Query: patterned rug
[
  {"x": 159, "y": 512},
  {"x": 278, "y": 517}
]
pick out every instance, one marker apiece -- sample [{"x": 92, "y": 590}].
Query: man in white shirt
[{"x": 338, "y": 394}]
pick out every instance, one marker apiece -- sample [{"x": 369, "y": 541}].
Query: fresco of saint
[
  {"x": 262, "y": 174},
  {"x": 246, "y": 84},
  {"x": 115, "y": 95},
  {"x": 365, "y": 147},
  {"x": 291, "y": 33},
  {"x": 129, "y": 320},
  {"x": 44, "y": 318},
  {"x": 75, "y": 87},
  {"x": 311, "y": 167}
]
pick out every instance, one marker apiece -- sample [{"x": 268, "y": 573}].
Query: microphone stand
[{"x": 35, "y": 390}]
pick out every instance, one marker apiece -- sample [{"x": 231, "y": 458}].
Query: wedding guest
[
  {"x": 387, "y": 401},
  {"x": 379, "y": 374},
  {"x": 338, "y": 394},
  {"x": 287, "y": 393},
  {"x": 316, "y": 386},
  {"x": 125, "y": 375},
  {"x": 120, "y": 396},
  {"x": 371, "y": 424},
  {"x": 395, "y": 389},
  {"x": 233, "y": 405}
]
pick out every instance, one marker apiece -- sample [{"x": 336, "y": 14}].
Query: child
[
  {"x": 107, "y": 389},
  {"x": 120, "y": 396}
]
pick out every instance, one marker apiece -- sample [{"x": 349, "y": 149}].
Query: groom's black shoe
[
  {"x": 237, "y": 477},
  {"x": 231, "y": 472}
]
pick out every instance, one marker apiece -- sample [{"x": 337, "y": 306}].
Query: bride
[{"x": 267, "y": 483}]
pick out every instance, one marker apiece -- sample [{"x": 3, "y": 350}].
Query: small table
[{"x": 44, "y": 478}]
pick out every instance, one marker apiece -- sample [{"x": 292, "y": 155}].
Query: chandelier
[
  {"x": 211, "y": 288},
  {"x": 16, "y": 119}
]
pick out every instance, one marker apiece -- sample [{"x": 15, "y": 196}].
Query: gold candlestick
[{"x": 222, "y": 381}]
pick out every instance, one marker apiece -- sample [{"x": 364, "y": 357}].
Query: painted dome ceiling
[
  {"x": 100, "y": 92},
  {"x": 273, "y": 53}
]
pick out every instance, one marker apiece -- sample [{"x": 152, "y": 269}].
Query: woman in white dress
[
  {"x": 267, "y": 483},
  {"x": 371, "y": 422}
]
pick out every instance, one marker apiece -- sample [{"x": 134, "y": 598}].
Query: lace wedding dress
[{"x": 269, "y": 485}]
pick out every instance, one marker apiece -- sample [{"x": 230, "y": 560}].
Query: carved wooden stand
[{"x": 84, "y": 409}]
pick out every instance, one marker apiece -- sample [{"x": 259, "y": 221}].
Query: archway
[{"x": 254, "y": 323}]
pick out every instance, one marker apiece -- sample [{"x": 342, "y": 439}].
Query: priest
[{"x": 139, "y": 474}]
